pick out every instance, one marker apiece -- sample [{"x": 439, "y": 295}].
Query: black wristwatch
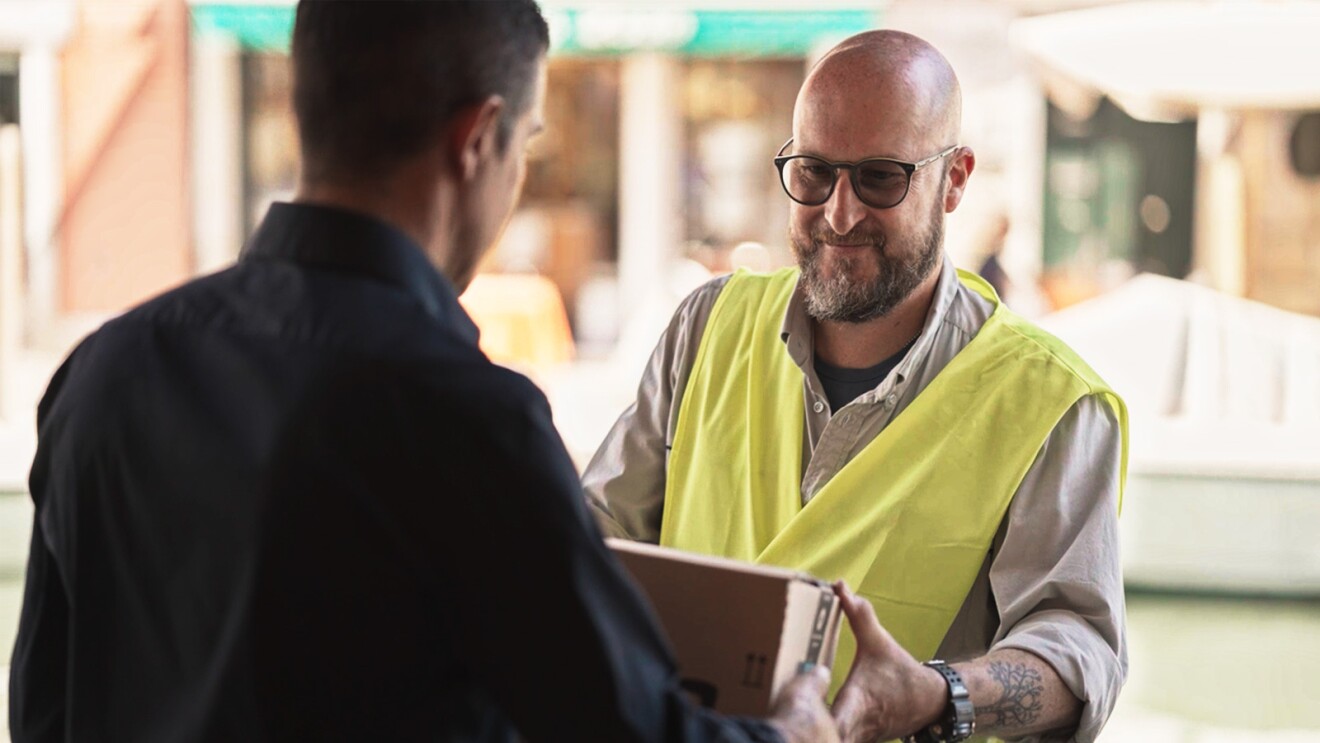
[{"x": 958, "y": 721}]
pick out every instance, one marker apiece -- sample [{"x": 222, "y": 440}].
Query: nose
[{"x": 844, "y": 210}]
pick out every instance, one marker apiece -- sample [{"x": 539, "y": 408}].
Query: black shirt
[
  {"x": 293, "y": 501},
  {"x": 843, "y": 385}
]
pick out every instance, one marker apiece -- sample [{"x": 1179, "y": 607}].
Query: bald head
[
  {"x": 884, "y": 79},
  {"x": 870, "y": 250}
]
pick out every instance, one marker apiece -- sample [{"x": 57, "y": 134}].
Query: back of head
[{"x": 376, "y": 80}]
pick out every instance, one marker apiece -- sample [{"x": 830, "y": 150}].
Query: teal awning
[
  {"x": 786, "y": 33},
  {"x": 256, "y": 27},
  {"x": 601, "y": 31}
]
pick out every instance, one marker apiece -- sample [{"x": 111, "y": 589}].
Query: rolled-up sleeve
[
  {"x": 625, "y": 480},
  {"x": 1057, "y": 581}
]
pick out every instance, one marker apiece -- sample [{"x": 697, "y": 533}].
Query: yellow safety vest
[{"x": 908, "y": 522}]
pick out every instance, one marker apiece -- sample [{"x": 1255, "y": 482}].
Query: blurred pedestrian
[{"x": 992, "y": 247}]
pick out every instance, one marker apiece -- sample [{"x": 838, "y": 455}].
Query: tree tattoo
[{"x": 1019, "y": 704}]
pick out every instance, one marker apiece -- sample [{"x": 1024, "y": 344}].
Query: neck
[
  {"x": 865, "y": 344},
  {"x": 414, "y": 211}
]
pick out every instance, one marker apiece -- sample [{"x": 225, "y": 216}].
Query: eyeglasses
[{"x": 880, "y": 182}]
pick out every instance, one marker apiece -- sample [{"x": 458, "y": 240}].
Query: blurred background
[{"x": 1147, "y": 187}]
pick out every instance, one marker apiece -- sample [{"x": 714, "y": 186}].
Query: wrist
[
  {"x": 957, "y": 721},
  {"x": 932, "y": 698}
]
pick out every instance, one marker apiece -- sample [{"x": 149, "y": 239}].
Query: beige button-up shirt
[{"x": 1051, "y": 582}]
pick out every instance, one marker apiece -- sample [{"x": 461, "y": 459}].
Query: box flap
[{"x": 669, "y": 553}]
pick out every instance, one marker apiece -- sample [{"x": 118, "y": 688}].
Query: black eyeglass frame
[{"x": 908, "y": 168}]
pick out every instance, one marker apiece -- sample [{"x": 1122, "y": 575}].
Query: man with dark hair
[
  {"x": 876, "y": 416},
  {"x": 350, "y": 124},
  {"x": 294, "y": 501}
]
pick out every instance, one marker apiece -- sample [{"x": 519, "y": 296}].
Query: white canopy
[
  {"x": 1224, "y": 473},
  {"x": 1170, "y": 59},
  {"x": 25, "y": 23},
  {"x": 1215, "y": 384}
]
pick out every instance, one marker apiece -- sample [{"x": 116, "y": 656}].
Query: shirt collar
[
  {"x": 796, "y": 331},
  {"x": 350, "y": 242}
]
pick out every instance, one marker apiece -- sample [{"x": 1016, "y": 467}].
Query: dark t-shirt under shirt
[{"x": 842, "y": 386}]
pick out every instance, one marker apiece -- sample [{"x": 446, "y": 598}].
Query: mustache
[{"x": 857, "y": 236}]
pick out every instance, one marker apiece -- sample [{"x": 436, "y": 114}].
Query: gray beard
[{"x": 841, "y": 298}]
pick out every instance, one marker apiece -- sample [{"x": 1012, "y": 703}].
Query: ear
[
  {"x": 472, "y": 134},
  {"x": 964, "y": 162}
]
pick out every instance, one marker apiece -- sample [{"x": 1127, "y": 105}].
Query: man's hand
[
  {"x": 888, "y": 694},
  {"x": 799, "y": 712}
]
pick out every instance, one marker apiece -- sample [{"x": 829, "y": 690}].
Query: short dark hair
[{"x": 376, "y": 80}]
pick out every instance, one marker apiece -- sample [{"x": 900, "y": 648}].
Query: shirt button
[
  {"x": 819, "y": 407},
  {"x": 891, "y": 401}
]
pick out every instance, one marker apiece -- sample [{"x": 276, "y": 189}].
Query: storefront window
[
  {"x": 1304, "y": 145},
  {"x": 737, "y": 113},
  {"x": 733, "y": 115},
  {"x": 270, "y": 137},
  {"x": 8, "y": 88},
  {"x": 567, "y": 221}
]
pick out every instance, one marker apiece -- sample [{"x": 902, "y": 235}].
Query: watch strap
[{"x": 958, "y": 720}]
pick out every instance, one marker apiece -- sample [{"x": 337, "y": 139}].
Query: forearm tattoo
[{"x": 1020, "y": 702}]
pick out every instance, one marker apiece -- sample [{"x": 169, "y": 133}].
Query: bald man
[{"x": 876, "y": 417}]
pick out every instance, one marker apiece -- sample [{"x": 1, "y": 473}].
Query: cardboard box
[{"x": 740, "y": 631}]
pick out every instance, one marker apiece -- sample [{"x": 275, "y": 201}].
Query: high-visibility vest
[{"x": 908, "y": 522}]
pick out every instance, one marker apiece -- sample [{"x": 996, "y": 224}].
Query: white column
[
  {"x": 1024, "y": 251},
  {"x": 650, "y": 183},
  {"x": 215, "y": 94},
  {"x": 1219, "y": 229},
  {"x": 39, "y": 112}
]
